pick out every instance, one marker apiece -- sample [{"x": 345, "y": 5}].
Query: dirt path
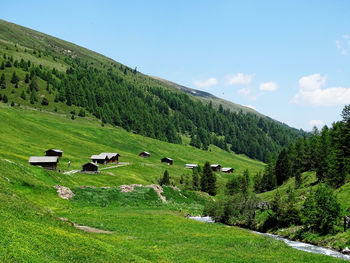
[
  {"x": 115, "y": 166},
  {"x": 86, "y": 228},
  {"x": 104, "y": 168},
  {"x": 71, "y": 172}
]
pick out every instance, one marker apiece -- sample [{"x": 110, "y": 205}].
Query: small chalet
[
  {"x": 112, "y": 157},
  {"x": 167, "y": 160},
  {"x": 228, "y": 170},
  {"x": 191, "y": 166},
  {"x": 90, "y": 167},
  {"x": 54, "y": 152},
  {"x": 145, "y": 154},
  {"x": 101, "y": 159},
  {"x": 46, "y": 162},
  {"x": 216, "y": 167}
]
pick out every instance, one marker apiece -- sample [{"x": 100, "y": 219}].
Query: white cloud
[
  {"x": 239, "y": 79},
  {"x": 268, "y": 86},
  {"x": 311, "y": 92},
  {"x": 343, "y": 44},
  {"x": 312, "y": 82},
  {"x": 251, "y": 106},
  {"x": 317, "y": 123},
  {"x": 205, "y": 83}
]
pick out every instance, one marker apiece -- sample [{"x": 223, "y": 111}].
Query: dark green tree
[
  {"x": 283, "y": 167},
  {"x": 165, "y": 180},
  {"x": 14, "y": 79},
  {"x": 321, "y": 210},
  {"x": 23, "y": 95}
]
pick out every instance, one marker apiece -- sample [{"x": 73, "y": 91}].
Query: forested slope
[{"x": 41, "y": 71}]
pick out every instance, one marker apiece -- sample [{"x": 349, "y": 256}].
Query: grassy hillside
[
  {"x": 144, "y": 229},
  {"x": 31, "y": 132},
  {"x": 44, "y": 72}
]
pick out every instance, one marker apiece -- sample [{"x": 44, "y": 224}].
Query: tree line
[{"x": 326, "y": 152}]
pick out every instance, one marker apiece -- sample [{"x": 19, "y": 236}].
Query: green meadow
[{"x": 144, "y": 228}]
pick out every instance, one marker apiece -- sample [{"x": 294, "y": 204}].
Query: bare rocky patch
[
  {"x": 86, "y": 228},
  {"x": 64, "y": 192}
]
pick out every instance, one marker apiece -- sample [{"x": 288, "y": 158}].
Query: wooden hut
[
  {"x": 90, "y": 167},
  {"x": 216, "y": 167},
  {"x": 191, "y": 166},
  {"x": 167, "y": 160},
  {"x": 112, "y": 157},
  {"x": 228, "y": 170},
  {"x": 101, "y": 159},
  {"x": 46, "y": 162},
  {"x": 54, "y": 152},
  {"x": 145, "y": 154}
]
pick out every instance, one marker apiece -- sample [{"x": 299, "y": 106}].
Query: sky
[{"x": 289, "y": 60}]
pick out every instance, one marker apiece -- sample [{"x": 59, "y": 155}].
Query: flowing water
[{"x": 294, "y": 244}]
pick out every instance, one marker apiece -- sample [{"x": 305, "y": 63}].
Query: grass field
[
  {"x": 144, "y": 228},
  {"x": 32, "y": 132}
]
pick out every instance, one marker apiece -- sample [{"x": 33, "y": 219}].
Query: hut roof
[
  {"x": 110, "y": 155},
  {"x": 55, "y": 150},
  {"x": 226, "y": 169},
  {"x": 215, "y": 165},
  {"x": 94, "y": 164},
  {"x": 99, "y": 157},
  {"x": 167, "y": 158},
  {"x": 191, "y": 165},
  {"x": 146, "y": 152},
  {"x": 43, "y": 159}
]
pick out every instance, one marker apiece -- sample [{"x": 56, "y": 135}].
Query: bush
[
  {"x": 321, "y": 211},
  {"x": 45, "y": 102}
]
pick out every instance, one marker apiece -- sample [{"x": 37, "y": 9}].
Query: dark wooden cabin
[
  {"x": 90, "y": 167},
  {"x": 145, "y": 154},
  {"x": 216, "y": 167},
  {"x": 228, "y": 170},
  {"x": 112, "y": 157},
  {"x": 167, "y": 160},
  {"x": 54, "y": 152},
  {"x": 46, "y": 162},
  {"x": 101, "y": 159}
]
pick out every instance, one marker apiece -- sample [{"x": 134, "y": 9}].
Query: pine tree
[
  {"x": 195, "y": 178},
  {"x": 166, "y": 178},
  {"x": 2, "y": 81},
  {"x": 5, "y": 99},
  {"x": 14, "y": 79},
  {"x": 283, "y": 167},
  {"x": 33, "y": 97},
  {"x": 321, "y": 210},
  {"x": 23, "y": 95},
  {"x": 208, "y": 180}
]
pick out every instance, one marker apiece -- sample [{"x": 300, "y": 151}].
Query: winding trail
[{"x": 104, "y": 168}]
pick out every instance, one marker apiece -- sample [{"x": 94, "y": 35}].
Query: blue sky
[{"x": 288, "y": 59}]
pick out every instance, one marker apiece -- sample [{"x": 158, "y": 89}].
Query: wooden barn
[
  {"x": 191, "y": 166},
  {"x": 228, "y": 170},
  {"x": 90, "y": 167},
  {"x": 54, "y": 152},
  {"x": 145, "y": 154},
  {"x": 101, "y": 159},
  {"x": 167, "y": 160},
  {"x": 112, "y": 157},
  {"x": 216, "y": 167},
  {"x": 46, "y": 162}
]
